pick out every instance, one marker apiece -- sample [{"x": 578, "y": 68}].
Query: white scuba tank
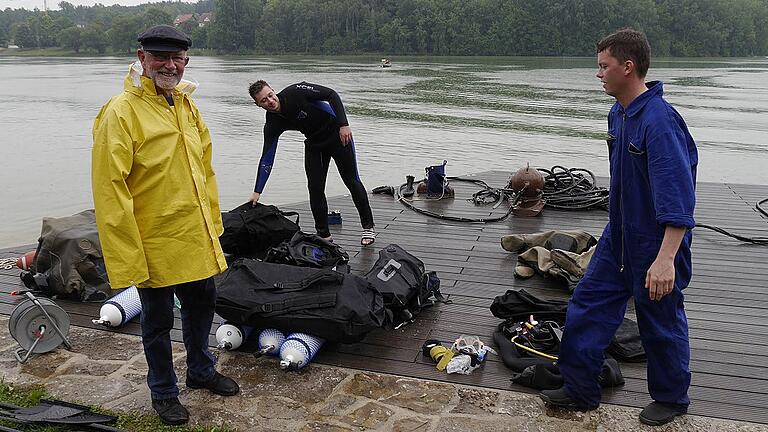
[
  {"x": 120, "y": 309},
  {"x": 231, "y": 336},
  {"x": 270, "y": 341},
  {"x": 298, "y": 350}
]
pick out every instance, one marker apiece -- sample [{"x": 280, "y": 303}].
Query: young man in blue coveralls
[{"x": 645, "y": 250}]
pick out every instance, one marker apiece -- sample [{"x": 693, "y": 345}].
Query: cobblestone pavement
[{"x": 108, "y": 369}]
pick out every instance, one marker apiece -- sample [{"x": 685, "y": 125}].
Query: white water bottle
[
  {"x": 298, "y": 350},
  {"x": 270, "y": 341},
  {"x": 231, "y": 336},
  {"x": 120, "y": 309}
]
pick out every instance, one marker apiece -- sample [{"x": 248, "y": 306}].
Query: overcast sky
[{"x": 53, "y": 4}]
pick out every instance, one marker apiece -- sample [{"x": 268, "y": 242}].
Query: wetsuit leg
[
  {"x": 594, "y": 313},
  {"x": 346, "y": 162},
  {"x": 316, "y": 163},
  {"x": 664, "y": 333}
]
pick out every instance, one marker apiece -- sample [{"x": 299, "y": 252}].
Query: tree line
[{"x": 406, "y": 27}]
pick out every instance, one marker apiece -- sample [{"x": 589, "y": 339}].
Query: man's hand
[
  {"x": 254, "y": 198},
  {"x": 660, "y": 278},
  {"x": 345, "y": 133}
]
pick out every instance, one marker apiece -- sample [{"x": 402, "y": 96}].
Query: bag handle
[
  {"x": 322, "y": 276},
  {"x": 266, "y": 310},
  {"x": 291, "y": 213}
]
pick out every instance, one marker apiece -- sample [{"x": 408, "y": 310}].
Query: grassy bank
[{"x": 130, "y": 422}]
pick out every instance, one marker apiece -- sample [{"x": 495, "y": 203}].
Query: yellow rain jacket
[{"x": 157, "y": 204}]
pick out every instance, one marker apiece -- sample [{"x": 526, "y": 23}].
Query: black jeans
[
  {"x": 198, "y": 301},
  {"x": 316, "y": 161}
]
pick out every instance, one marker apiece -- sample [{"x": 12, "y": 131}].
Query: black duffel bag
[
  {"x": 403, "y": 282},
  {"x": 309, "y": 250},
  {"x": 335, "y": 306},
  {"x": 249, "y": 231}
]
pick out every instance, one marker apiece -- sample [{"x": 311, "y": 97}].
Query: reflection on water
[{"x": 477, "y": 113}]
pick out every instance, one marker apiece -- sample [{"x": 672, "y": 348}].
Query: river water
[{"x": 476, "y": 113}]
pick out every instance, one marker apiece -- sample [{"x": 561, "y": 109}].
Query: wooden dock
[{"x": 726, "y": 302}]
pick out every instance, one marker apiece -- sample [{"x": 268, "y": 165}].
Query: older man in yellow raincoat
[{"x": 158, "y": 214}]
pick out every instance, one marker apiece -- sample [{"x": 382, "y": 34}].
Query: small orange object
[{"x": 25, "y": 261}]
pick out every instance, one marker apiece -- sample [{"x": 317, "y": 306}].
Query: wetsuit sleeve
[
  {"x": 272, "y": 133},
  {"x": 318, "y": 92},
  {"x": 671, "y": 175},
  {"x": 111, "y": 161}
]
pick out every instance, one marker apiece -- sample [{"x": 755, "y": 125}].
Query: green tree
[
  {"x": 235, "y": 25},
  {"x": 94, "y": 38},
  {"x": 22, "y": 35},
  {"x": 125, "y": 29},
  {"x": 155, "y": 16},
  {"x": 189, "y": 26},
  {"x": 71, "y": 38},
  {"x": 395, "y": 37},
  {"x": 200, "y": 37},
  {"x": 47, "y": 31}
]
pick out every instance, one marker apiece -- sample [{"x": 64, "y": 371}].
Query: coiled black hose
[{"x": 573, "y": 189}]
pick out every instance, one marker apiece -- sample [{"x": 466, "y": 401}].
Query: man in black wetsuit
[{"x": 316, "y": 112}]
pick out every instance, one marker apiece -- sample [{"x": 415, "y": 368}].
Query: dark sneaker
[
  {"x": 559, "y": 398},
  {"x": 219, "y": 384},
  {"x": 171, "y": 411},
  {"x": 658, "y": 413}
]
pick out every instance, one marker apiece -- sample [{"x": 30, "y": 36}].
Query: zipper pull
[{"x": 621, "y": 269}]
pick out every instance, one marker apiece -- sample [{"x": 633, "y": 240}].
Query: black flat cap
[{"x": 164, "y": 38}]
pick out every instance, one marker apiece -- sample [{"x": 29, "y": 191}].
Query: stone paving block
[
  {"x": 137, "y": 402},
  {"x": 425, "y": 397},
  {"x": 44, "y": 365},
  {"x": 275, "y": 407},
  {"x": 325, "y": 427},
  {"x": 369, "y": 416},
  {"x": 518, "y": 404},
  {"x": 474, "y": 401},
  {"x": 411, "y": 424},
  {"x": 104, "y": 345},
  {"x": 262, "y": 376},
  {"x": 336, "y": 405},
  {"x": 88, "y": 390},
  {"x": 482, "y": 424},
  {"x": 206, "y": 408},
  {"x": 90, "y": 367}
]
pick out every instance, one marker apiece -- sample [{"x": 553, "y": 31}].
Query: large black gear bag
[
  {"x": 338, "y": 307},
  {"x": 249, "y": 231},
  {"x": 405, "y": 285}
]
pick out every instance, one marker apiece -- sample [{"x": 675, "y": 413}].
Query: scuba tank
[
  {"x": 231, "y": 336},
  {"x": 298, "y": 350},
  {"x": 270, "y": 341},
  {"x": 120, "y": 309}
]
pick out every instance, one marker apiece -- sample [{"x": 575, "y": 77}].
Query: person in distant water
[
  {"x": 316, "y": 112},
  {"x": 645, "y": 250},
  {"x": 157, "y": 212}
]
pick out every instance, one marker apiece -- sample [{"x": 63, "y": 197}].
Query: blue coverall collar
[{"x": 655, "y": 88}]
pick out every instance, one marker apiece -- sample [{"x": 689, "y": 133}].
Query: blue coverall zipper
[{"x": 621, "y": 191}]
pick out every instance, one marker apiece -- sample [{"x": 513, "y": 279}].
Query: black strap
[
  {"x": 293, "y": 304},
  {"x": 290, "y": 213},
  {"x": 321, "y": 276}
]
